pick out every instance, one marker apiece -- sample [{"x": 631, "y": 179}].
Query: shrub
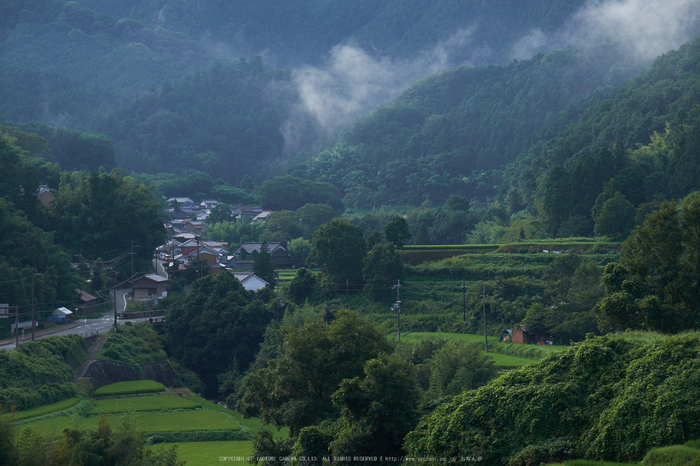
[
  {"x": 40, "y": 373},
  {"x": 134, "y": 344}
]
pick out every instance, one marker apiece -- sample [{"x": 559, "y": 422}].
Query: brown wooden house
[{"x": 149, "y": 287}]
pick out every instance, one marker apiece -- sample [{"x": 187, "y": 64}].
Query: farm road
[{"x": 80, "y": 373}]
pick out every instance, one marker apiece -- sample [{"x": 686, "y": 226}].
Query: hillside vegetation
[
  {"x": 40, "y": 373},
  {"x": 608, "y": 398}
]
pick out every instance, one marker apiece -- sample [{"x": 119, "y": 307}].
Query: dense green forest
[
  {"x": 559, "y": 191},
  {"x": 225, "y": 121},
  {"x": 299, "y": 32},
  {"x": 85, "y": 223}
]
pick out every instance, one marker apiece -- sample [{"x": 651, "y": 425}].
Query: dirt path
[{"x": 80, "y": 373}]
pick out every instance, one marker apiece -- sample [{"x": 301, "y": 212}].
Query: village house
[
  {"x": 45, "y": 196},
  {"x": 149, "y": 288},
  {"x": 280, "y": 256},
  {"x": 250, "y": 281},
  {"x": 87, "y": 303}
]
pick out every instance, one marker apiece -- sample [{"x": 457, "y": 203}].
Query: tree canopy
[
  {"x": 218, "y": 323},
  {"x": 296, "y": 388},
  {"x": 339, "y": 249}
]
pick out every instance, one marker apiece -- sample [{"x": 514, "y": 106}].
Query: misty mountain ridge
[{"x": 82, "y": 65}]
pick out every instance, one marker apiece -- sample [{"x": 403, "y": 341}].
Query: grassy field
[
  {"x": 143, "y": 403},
  {"x": 169, "y": 421},
  {"x": 505, "y": 355},
  {"x": 129, "y": 388},
  {"x": 416, "y": 337},
  {"x": 47, "y": 409},
  {"x": 252, "y": 423},
  {"x": 286, "y": 275},
  {"x": 207, "y": 453}
]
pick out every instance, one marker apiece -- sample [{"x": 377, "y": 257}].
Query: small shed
[
  {"x": 60, "y": 315},
  {"x": 522, "y": 335}
]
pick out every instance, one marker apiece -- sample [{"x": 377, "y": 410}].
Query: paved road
[
  {"x": 160, "y": 267},
  {"x": 84, "y": 327}
]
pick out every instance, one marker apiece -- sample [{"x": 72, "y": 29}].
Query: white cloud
[
  {"x": 641, "y": 29},
  {"x": 354, "y": 82}
]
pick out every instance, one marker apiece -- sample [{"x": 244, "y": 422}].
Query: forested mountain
[
  {"x": 63, "y": 64},
  {"x": 447, "y": 133},
  {"x": 225, "y": 121},
  {"x": 582, "y": 172},
  {"x": 160, "y": 80},
  {"x": 298, "y": 32}
]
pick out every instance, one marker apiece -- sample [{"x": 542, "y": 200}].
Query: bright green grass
[
  {"x": 208, "y": 453},
  {"x": 53, "y": 425},
  {"x": 177, "y": 421},
  {"x": 129, "y": 388},
  {"x": 253, "y": 423},
  {"x": 142, "y": 403},
  {"x": 47, "y": 409},
  {"x": 169, "y": 421}
]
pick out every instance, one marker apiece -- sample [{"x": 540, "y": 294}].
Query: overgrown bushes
[
  {"x": 134, "y": 344},
  {"x": 611, "y": 398},
  {"x": 40, "y": 373}
]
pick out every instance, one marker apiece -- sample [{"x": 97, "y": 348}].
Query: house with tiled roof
[{"x": 280, "y": 256}]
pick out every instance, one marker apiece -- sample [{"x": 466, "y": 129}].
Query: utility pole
[
  {"x": 33, "y": 307},
  {"x": 16, "y": 326},
  {"x": 132, "y": 259},
  {"x": 277, "y": 295},
  {"x": 486, "y": 341},
  {"x": 397, "y": 306},
  {"x": 464, "y": 302},
  {"x": 347, "y": 288},
  {"x": 114, "y": 292},
  {"x": 199, "y": 265}
]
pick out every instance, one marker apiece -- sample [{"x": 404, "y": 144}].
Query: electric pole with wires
[{"x": 397, "y": 306}]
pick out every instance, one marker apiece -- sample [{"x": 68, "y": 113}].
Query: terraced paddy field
[
  {"x": 208, "y": 453},
  {"x": 286, "y": 275},
  {"x": 142, "y": 403},
  {"x": 474, "y": 338},
  {"x": 151, "y": 423},
  {"x": 129, "y": 388},
  {"x": 47, "y": 409},
  {"x": 202, "y": 430}
]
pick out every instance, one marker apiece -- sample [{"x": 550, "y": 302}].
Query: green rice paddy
[
  {"x": 129, "y": 388},
  {"x": 47, "y": 409},
  {"x": 207, "y": 453},
  {"x": 142, "y": 403},
  {"x": 168, "y": 421}
]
